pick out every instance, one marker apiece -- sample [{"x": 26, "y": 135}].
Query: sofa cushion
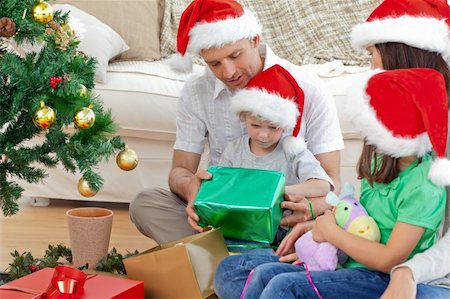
[
  {"x": 97, "y": 39},
  {"x": 303, "y": 32},
  {"x": 143, "y": 96},
  {"x": 136, "y": 21}
]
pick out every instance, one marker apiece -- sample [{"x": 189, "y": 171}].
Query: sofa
[{"x": 132, "y": 42}]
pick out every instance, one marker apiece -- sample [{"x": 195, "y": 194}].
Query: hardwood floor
[{"x": 34, "y": 228}]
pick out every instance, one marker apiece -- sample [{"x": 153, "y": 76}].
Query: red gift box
[{"x": 95, "y": 287}]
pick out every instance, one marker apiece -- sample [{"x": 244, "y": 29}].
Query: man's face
[{"x": 234, "y": 64}]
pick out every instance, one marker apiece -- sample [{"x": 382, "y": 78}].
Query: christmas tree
[{"x": 46, "y": 90}]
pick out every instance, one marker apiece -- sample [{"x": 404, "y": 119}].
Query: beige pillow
[
  {"x": 97, "y": 39},
  {"x": 302, "y": 32},
  {"x": 136, "y": 21}
]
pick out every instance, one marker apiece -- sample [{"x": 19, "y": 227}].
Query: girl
[
  {"x": 392, "y": 110},
  {"x": 406, "y": 34}
]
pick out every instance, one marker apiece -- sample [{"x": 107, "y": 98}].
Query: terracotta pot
[{"x": 89, "y": 232}]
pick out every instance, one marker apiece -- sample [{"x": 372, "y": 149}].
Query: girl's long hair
[
  {"x": 396, "y": 56},
  {"x": 376, "y": 167}
]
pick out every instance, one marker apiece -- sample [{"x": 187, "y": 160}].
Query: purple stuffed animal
[{"x": 351, "y": 216}]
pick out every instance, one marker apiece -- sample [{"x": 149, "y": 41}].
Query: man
[{"x": 227, "y": 37}]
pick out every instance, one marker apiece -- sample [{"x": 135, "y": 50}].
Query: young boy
[{"x": 270, "y": 107}]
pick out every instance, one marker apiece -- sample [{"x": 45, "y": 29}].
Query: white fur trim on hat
[
  {"x": 293, "y": 145},
  {"x": 217, "y": 34},
  {"x": 439, "y": 172},
  {"x": 181, "y": 63},
  {"x": 363, "y": 117},
  {"x": 271, "y": 107},
  {"x": 425, "y": 33}
]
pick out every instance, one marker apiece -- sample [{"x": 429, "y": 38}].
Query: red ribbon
[{"x": 67, "y": 281}]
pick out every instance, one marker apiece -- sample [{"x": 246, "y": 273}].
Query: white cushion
[{"x": 97, "y": 39}]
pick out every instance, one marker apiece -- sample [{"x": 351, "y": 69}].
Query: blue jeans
[
  {"x": 425, "y": 291},
  {"x": 272, "y": 279},
  {"x": 232, "y": 272}
]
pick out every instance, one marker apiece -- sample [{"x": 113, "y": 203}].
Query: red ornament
[
  {"x": 54, "y": 81},
  {"x": 33, "y": 268}
]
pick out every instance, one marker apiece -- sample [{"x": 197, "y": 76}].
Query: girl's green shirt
[{"x": 410, "y": 198}]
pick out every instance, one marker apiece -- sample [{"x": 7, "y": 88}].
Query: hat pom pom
[
  {"x": 439, "y": 172},
  {"x": 181, "y": 63},
  {"x": 294, "y": 145}
]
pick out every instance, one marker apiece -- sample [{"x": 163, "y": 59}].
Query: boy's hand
[{"x": 300, "y": 209}]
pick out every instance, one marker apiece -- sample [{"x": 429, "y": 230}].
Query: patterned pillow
[{"x": 302, "y": 32}]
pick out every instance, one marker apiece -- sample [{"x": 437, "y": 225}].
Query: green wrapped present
[{"x": 244, "y": 203}]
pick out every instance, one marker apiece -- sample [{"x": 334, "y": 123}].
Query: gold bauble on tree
[
  {"x": 127, "y": 159},
  {"x": 42, "y": 12},
  {"x": 67, "y": 28},
  {"x": 83, "y": 91},
  {"x": 85, "y": 189},
  {"x": 84, "y": 118},
  {"x": 44, "y": 116}
]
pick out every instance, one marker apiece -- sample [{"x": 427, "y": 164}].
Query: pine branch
[{"x": 24, "y": 263}]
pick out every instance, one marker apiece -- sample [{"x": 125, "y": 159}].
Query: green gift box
[{"x": 244, "y": 203}]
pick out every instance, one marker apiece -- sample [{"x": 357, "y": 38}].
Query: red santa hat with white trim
[
  {"x": 275, "y": 96},
  {"x": 422, "y": 24},
  {"x": 206, "y": 24},
  {"x": 403, "y": 112}
]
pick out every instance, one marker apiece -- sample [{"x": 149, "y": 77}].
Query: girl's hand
[
  {"x": 402, "y": 285},
  {"x": 323, "y": 225},
  {"x": 290, "y": 258},
  {"x": 287, "y": 244}
]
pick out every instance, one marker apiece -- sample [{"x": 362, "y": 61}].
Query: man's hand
[
  {"x": 286, "y": 248},
  {"x": 194, "y": 184},
  {"x": 191, "y": 193},
  {"x": 402, "y": 285}
]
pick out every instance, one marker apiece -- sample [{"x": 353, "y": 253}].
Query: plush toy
[{"x": 351, "y": 216}]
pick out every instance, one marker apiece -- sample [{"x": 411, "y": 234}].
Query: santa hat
[
  {"x": 211, "y": 23},
  {"x": 422, "y": 24},
  {"x": 403, "y": 112},
  {"x": 275, "y": 96}
]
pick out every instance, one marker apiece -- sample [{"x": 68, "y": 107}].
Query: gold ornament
[
  {"x": 83, "y": 91},
  {"x": 85, "y": 189},
  {"x": 84, "y": 118},
  {"x": 44, "y": 117},
  {"x": 68, "y": 29},
  {"x": 42, "y": 12},
  {"x": 127, "y": 159}
]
